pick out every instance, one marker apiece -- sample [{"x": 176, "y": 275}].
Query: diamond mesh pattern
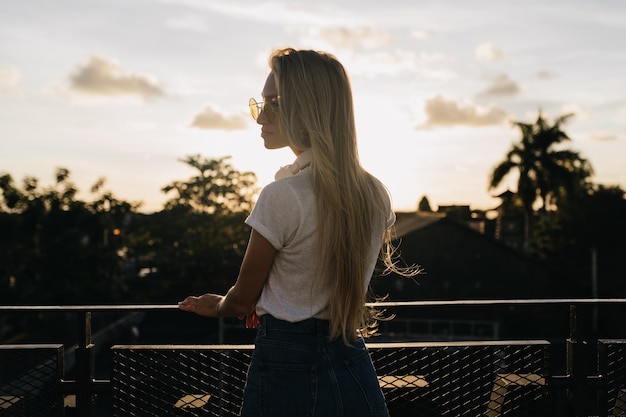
[
  {"x": 425, "y": 379},
  {"x": 179, "y": 380},
  {"x": 468, "y": 379},
  {"x": 29, "y": 375},
  {"x": 615, "y": 351},
  {"x": 450, "y": 379}
]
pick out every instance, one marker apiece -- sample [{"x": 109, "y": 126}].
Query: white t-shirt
[{"x": 285, "y": 214}]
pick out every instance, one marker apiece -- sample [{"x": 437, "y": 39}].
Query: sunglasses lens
[
  {"x": 254, "y": 108},
  {"x": 265, "y": 107}
]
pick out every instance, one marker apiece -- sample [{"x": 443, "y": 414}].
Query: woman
[{"x": 316, "y": 234}]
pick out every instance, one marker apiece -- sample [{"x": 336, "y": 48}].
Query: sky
[{"x": 124, "y": 89}]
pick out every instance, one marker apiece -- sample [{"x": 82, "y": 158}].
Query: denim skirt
[{"x": 296, "y": 371}]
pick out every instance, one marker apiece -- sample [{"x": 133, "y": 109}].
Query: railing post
[
  {"x": 576, "y": 365},
  {"x": 85, "y": 368}
]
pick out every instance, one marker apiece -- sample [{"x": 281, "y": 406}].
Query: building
[{"x": 461, "y": 263}]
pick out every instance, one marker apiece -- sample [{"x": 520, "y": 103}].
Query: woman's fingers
[
  {"x": 188, "y": 304},
  {"x": 205, "y": 305}
]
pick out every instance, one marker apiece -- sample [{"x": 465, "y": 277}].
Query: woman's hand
[
  {"x": 204, "y": 305},
  {"x": 252, "y": 320}
]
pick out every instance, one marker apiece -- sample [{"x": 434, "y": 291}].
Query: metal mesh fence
[
  {"x": 179, "y": 380},
  {"x": 28, "y": 380},
  {"x": 468, "y": 379},
  {"x": 613, "y": 353},
  {"x": 577, "y": 376}
]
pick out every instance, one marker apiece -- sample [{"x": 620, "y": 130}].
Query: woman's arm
[{"x": 241, "y": 299}]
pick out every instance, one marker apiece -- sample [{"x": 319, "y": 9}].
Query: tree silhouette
[
  {"x": 55, "y": 248},
  {"x": 591, "y": 221},
  {"x": 197, "y": 242},
  {"x": 217, "y": 188},
  {"x": 547, "y": 176},
  {"x": 424, "y": 205}
]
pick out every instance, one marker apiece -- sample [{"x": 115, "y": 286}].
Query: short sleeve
[
  {"x": 390, "y": 215},
  {"x": 275, "y": 215}
]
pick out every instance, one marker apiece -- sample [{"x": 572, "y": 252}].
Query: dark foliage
[{"x": 56, "y": 249}]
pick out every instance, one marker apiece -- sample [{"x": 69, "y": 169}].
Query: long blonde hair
[{"x": 316, "y": 112}]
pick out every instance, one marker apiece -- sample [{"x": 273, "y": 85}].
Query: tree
[
  {"x": 197, "y": 242},
  {"x": 591, "y": 221},
  {"x": 424, "y": 205},
  {"x": 547, "y": 176},
  {"x": 185, "y": 252},
  {"x": 13, "y": 199},
  {"x": 218, "y": 187},
  {"x": 55, "y": 248}
]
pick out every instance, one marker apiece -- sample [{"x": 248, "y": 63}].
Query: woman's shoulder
[
  {"x": 294, "y": 181},
  {"x": 380, "y": 187},
  {"x": 288, "y": 188},
  {"x": 381, "y": 190}
]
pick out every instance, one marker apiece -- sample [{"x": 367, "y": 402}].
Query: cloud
[
  {"x": 501, "y": 85},
  {"x": 446, "y": 112},
  {"x": 10, "y": 80},
  {"x": 210, "y": 119},
  {"x": 100, "y": 76},
  {"x": 604, "y": 138},
  {"x": 488, "y": 52},
  {"x": 10, "y": 77},
  {"x": 372, "y": 52},
  {"x": 363, "y": 50}
]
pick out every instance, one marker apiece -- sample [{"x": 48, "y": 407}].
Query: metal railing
[{"x": 575, "y": 375}]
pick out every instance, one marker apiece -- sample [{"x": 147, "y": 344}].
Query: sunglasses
[{"x": 270, "y": 108}]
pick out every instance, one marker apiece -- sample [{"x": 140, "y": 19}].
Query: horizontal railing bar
[
  {"x": 436, "y": 303},
  {"x": 183, "y": 347},
  {"x": 86, "y": 308},
  {"x": 378, "y": 345},
  {"x": 557, "y": 301},
  {"x": 464, "y": 343},
  {"x": 31, "y": 346}
]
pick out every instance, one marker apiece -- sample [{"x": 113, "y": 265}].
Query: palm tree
[{"x": 546, "y": 175}]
